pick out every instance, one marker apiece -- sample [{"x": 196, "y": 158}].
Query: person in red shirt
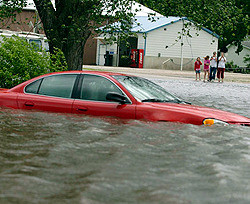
[{"x": 197, "y": 67}]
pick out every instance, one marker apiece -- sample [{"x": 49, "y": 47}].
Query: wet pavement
[{"x": 165, "y": 74}]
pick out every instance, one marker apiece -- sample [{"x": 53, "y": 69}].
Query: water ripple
[{"x": 65, "y": 158}]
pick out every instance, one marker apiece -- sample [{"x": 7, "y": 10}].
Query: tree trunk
[
  {"x": 64, "y": 30},
  {"x": 74, "y": 51}
]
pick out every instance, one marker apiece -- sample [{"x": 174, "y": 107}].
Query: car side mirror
[{"x": 112, "y": 96}]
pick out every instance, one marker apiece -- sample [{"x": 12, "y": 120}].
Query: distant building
[
  {"x": 238, "y": 59},
  {"x": 161, "y": 41}
]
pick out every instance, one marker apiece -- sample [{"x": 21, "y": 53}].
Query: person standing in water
[
  {"x": 213, "y": 67},
  {"x": 221, "y": 67}
]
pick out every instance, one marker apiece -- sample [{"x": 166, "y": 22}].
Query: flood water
[{"x": 65, "y": 158}]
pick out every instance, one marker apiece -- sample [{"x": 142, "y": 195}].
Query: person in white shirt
[
  {"x": 213, "y": 66},
  {"x": 221, "y": 67}
]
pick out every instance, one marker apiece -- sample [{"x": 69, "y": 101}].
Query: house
[
  {"x": 238, "y": 59},
  {"x": 162, "y": 43}
]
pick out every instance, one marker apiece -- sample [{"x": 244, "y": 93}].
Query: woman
[
  {"x": 213, "y": 66},
  {"x": 221, "y": 67},
  {"x": 206, "y": 68}
]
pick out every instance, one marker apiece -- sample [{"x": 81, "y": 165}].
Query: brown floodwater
[{"x": 66, "y": 158}]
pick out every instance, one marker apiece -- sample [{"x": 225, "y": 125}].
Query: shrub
[
  {"x": 235, "y": 68},
  {"x": 21, "y": 61},
  {"x": 247, "y": 60},
  {"x": 231, "y": 65}
]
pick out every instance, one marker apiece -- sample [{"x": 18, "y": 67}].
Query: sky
[{"x": 143, "y": 11}]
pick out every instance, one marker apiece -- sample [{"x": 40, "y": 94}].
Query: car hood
[{"x": 203, "y": 112}]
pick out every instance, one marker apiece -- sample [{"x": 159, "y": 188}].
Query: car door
[
  {"x": 92, "y": 98},
  {"x": 51, "y": 93}
]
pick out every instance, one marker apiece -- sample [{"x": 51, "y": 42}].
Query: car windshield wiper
[
  {"x": 164, "y": 101},
  {"x": 153, "y": 100},
  {"x": 178, "y": 101}
]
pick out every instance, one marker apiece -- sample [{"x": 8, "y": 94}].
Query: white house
[
  {"x": 163, "y": 44},
  {"x": 238, "y": 59}
]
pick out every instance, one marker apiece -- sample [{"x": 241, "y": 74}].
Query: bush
[
  {"x": 231, "y": 65},
  {"x": 124, "y": 61},
  {"x": 21, "y": 61},
  {"x": 235, "y": 68},
  {"x": 247, "y": 60}
]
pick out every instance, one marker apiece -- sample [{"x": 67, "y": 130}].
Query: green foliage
[
  {"x": 247, "y": 60},
  {"x": 9, "y": 8},
  {"x": 229, "y": 19},
  {"x": 21, "y": 61},
  {"x": 57, "y": 61},
  {"x": 231, "y": 67},
  {"x": 124, "y": 61}
]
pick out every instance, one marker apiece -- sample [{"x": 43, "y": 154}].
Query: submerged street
[{"x": 66, "y": 158}]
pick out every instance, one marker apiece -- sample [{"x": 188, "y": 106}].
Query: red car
[{"x": 110, "y": 94}]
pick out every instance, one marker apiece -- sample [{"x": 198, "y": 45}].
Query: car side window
[
  {"x": 96, "y": 88},
  {"x": 33, "y": 87},
  {"x": 58, "y": 85}
]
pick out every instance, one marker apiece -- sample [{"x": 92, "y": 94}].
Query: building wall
[
  {"x": 163, "y": 44},
  {"x": 25, "y": 21},
  {"x": 163, "y": 48},
  {"x": 237, "y": 59},
  {"x": 89, "y": 57},
  {"x": 173, "y": 63},
  {"x": 141, "y": 41}
]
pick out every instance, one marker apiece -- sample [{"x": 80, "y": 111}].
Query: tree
[
  {"x": 69, "y": 23},
  {"x": 229, "y": 19}
]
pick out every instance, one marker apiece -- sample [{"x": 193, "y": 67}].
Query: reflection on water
[{"x": 63, "y": 158}]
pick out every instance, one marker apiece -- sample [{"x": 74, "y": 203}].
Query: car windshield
[{"x": 145, "y": 90}]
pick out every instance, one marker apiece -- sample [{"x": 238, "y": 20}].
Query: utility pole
[{"x": 182, "y": 44}]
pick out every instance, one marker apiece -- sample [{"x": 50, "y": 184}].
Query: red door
[
  {"x": 92, "y": 99},
  {"x": 52, "y": 93},
  {"x": 45, "y": 103},
  {"x": 100, "y": 108}
]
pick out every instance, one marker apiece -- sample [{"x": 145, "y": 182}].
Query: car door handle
[
  {"x": 29, "y": 104},
  {"x": 82, "y": 109}
]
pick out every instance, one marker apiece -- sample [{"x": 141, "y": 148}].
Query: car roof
[
  {"x": 103, "y": 73},
  {"x": 19, "y": 87}
]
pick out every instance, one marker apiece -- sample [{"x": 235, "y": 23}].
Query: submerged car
[{"x": 110, "y": 94}]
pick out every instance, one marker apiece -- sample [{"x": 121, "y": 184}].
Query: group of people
[{"x": 210, "y": 67}]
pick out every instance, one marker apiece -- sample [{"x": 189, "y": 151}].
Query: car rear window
[
  {"x": 58, "y": 85},
  {"x": 33, "y": 87}
]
